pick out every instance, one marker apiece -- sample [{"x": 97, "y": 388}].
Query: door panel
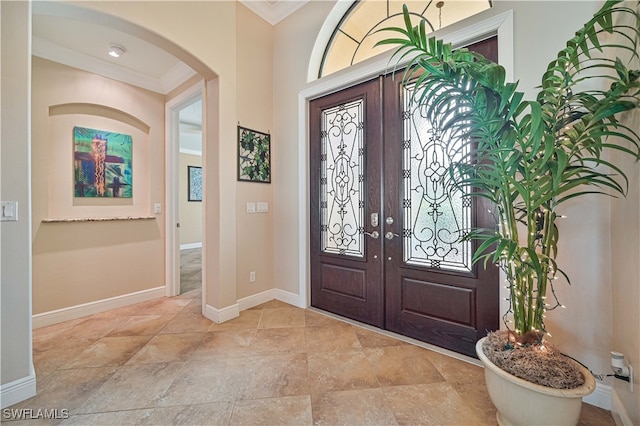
[
  {"x": 345, "y": 169},
  {"x": 433, "y": 291},
  {"x": 374, "y": 156}
]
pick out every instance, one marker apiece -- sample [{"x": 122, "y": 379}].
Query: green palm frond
[{"x": 529, "y": 156}]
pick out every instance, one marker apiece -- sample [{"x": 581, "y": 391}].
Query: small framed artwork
[
  {"x": 254, "y": 156},
  {"x": 195, "y": 183}
]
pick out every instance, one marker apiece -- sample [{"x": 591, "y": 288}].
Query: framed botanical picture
[
  {"x": 254, "y": 156},
  {"x": 103, "y": 165},
  {"x": 195, "y": 183}
]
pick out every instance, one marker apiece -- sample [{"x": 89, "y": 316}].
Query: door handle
[
  {"x": 389, "y": 235},
  {"x": 374, "y": 234}
]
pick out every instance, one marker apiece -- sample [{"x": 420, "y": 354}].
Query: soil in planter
[{"x": 540, "y": 364}]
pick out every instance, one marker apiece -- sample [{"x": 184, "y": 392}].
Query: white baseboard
[
  {"x": 18, "y": 390},
  {"x": 601, "y": 397},
  {"x": 290, "y": 298},
  {"x": 190, "y": 246},
  {"x": 79, "y": 311},
  {"x": 618, "y": 411},
  {"x": 221, "y": 315},
  {"x": 256, "y": 299}
]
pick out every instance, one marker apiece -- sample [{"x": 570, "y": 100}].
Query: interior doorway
[
  {"x": 185, "y": 177},
  {"x": 386, "y": 231},
  {"x": 190, "y": 197}
]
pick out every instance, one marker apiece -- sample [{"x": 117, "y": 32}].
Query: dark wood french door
[{"x": 385, "y": 230}]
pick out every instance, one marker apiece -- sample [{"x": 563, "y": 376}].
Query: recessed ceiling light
[{"x": 115, "y": 50}]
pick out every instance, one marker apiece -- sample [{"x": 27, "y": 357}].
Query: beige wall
[
  {"x": 190, "y": 211},
  {"x": 625, "y": 267},
  {"x": 76, "y": 263},
  {"x": 255, "y": 111},
  {"x": 15, "y": 260}
]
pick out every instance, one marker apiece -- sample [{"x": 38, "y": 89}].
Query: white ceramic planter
[{"x": 520, "y": 402}]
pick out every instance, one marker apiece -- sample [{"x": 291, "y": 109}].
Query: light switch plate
[
  {"x": 263, "y": 207},
  {"x": 251, "y": 207},
  {"x": 9, "y": 211}
]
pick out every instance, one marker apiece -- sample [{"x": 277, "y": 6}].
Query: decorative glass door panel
[
  {"x": 342, "y": 179},
  {"x": 435, "y": 215},
  {"x": 385, "y": 236}
]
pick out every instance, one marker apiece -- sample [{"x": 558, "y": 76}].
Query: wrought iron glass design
[
  {"x": 342, "y": 179},
  {"x": 436, "y": 215}
]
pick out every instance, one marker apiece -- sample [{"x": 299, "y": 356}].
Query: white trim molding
[
  {"x": 290, "y": 298},
  {"x": 190, "y": 246},
  {"x": 618, "y": 411},
  {"x": 601, "y": 397},
  {"x": 18, "y": 390},
  {"x": 221, "y": 315},
  {"x": 79, "y": 311},
  {"x": 256, "y": 299}
]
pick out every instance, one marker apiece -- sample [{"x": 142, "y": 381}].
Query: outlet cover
[{"x": 252, "y": 276}]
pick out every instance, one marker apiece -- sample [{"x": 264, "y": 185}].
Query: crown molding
[{"x": 274, "y": 11}]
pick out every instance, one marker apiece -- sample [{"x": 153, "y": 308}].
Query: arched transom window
[{"x": 354, "y": 38}]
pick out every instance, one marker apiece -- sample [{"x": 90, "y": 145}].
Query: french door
[{"x": 386, "y": 231}]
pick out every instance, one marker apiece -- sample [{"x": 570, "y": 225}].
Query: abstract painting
[
  {"x": 195, "y": 183},
  {"x": 254, "y": 156},
  {"x": 102, "y": 163}
]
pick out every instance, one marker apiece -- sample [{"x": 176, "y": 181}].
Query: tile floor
[{"x": 161, "y": 362}]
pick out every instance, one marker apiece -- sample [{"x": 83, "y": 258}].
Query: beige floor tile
[
  {"x": 129, "y": 417},
  {"x": 314, "y": 319},
  {"x": 225, "y": 344},
  {"x": 59, "y": 355},
  {"x": 168, "y": 348},
  {"x": 334, "y": 337},
  {"x": 455, "y": 370},
  {"x": 361, "y": 407},
  {"x": 341, "y": 370},
  {"x": 207, "y": 381},
  {"x": 275, "y": 304},
  {"x": 275, "y": 341},
  {"x": 372, "y": 339},
  {"x": 68, "y": 389},
  {"x": 143, "y": 325},
  {"x": 161, "y": 306},
  {"x": 402, "y": 365},
  {"x": 187, "y": 323},
  {"x": 109, "y": 351},
  {"x": 248, "y": 319},
  {"x": 215, "y": 413},
  {"x": 282, "y": 317},
  {"x": 194, "y": 307},
  {"x": 292, "y": 410},
  {"x": 133, "y": 387},
  {"x": 595, "y": 416},
  {"x": 436, "y": 403},
  {"x": 275, "y": 376}
]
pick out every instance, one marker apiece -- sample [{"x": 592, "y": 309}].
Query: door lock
[
  {"x": 389, "y": 220},
  {"x": 374, "y": 220}
]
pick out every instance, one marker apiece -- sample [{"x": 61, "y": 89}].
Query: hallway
[{"x": 161, "y": 362}]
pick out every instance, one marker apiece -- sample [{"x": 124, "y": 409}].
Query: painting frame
[
  {"x": 194, "y": 183},
  {"x": 102, "y": 164},
  {"x": 254, "y": 156}
]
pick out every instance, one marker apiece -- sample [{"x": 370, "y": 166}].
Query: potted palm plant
[{"x": 528, "y": 157}]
